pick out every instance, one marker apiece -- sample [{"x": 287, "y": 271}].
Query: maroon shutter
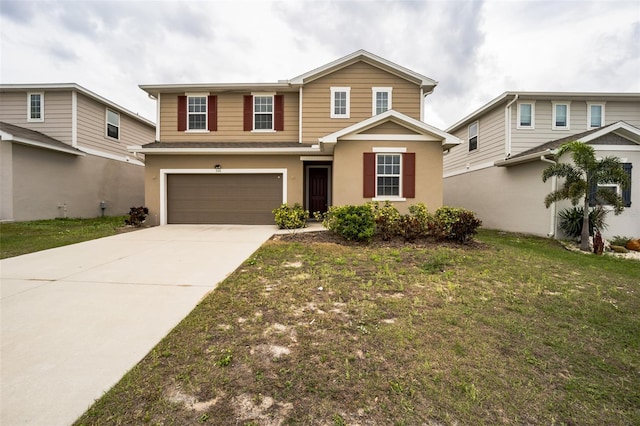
[
  {"x": 212, "y": 112},
  {"x": 182, "y": 113},
  {"x": 248, "y": 113},
  {"x": 278, "y": 115},
  {"x": 409, "y": 175},
  {"x": 369, "y": 175}
]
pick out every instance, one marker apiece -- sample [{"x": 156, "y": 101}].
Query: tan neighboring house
[
  {"x": 64, "y": 153},
  {"x": 497, "y": 170},
  {"x": 348, "y": 132}
]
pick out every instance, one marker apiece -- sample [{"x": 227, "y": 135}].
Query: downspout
[
  {"x": 300, "y": 116},
  {"x": 554, "y": 187},
  {"x": 74, "y": 119},
  {"x": 507, "y": 121}
]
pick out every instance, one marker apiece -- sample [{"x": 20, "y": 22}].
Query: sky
[{"x": 476, "y": 50}]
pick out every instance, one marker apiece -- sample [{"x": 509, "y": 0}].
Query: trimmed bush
[
  {"x": 353, "y": 223},
  {"x": 455, "y": 224},
  {"x": 571, "y": 221},
  {"x": 291, "y": 217},
  {"x": 387, "y": 218}
]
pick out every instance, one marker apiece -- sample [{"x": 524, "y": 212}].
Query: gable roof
[
  {"x": 422, "y": 129},
  {"x": 295, "y": 83},
  {"x": 559, "y": 96},
  {"x": 370, "y": 58},
  {"x": 620, "y": 128},
  {"x": 17, "y": 134},
  {"x": 57, "y": 87}
]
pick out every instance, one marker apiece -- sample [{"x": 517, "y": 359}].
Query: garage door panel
[{"x": 223, "y": 198}]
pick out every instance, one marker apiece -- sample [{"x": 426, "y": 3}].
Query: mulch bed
[{"x": 377, "y": 241}]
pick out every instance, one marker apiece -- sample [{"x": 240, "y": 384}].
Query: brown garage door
[{"x": 223, "y": 198}]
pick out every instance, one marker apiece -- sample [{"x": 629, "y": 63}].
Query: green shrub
[
  {"x": 291, "y": 217},
  {"x": 618, "y": 240},
  {"x": 455, "y": 224},
  {"x": 571, "y": 220},
  {"x": 423, "y": 220},
  {"x": 354, "y": 223},
  {"x": 387, "y": 218}
]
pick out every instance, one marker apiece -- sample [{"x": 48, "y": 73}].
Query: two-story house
[
  {"x": 63, "y": 153},
  {"x": 507, "y": 143},
  {"x": 348, "y": 132}
]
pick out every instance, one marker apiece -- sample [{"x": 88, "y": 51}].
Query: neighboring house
[
  {"x": 497, "y": 170},
  {"x": 348, "y": 132},
  {"x": 64, "y": 153}
]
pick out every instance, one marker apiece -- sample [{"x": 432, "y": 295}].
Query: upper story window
[
  {"x": 561, "y": 114},
  {"x": 263, "y": 112},
  {"x": 381, "y": 99},
  {"x": 473, "y": 136},
  {"x": 340, "y": 102},
  {"x": 35, "y": 106},
  {"x": 595, "y": 115},
  {"x": 526, "y": 115},
  {"x": 197, "y": 112},
  {"x": 113, "y": 124}
]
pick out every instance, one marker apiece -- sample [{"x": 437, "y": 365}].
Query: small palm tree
[{"x": 585, "y": 172}]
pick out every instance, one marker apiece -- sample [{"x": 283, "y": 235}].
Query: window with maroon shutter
[
  {"x": 182, "y": 113},
  {"x": 212, "y": 113},
  {"x": 248, "y": 113},
  {"x": 278, "y": 116},
  {"x": 409, "y": 175},
  {"x": 369, "y": 178},
  {"x": 384, "y": 174}
]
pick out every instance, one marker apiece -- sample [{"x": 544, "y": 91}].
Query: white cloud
[{"x": 476, "y": 50}]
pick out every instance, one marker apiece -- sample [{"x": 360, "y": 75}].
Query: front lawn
[
  {"x": 18, "y": 238},
  {"x": 515, "y": 330}
]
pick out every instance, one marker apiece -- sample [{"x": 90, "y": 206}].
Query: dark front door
[{"x": 318, "y": 189}]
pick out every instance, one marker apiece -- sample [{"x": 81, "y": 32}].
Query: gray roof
[
  {"x": 551, "y": 145},
  {"x": 20, "y": 134}
]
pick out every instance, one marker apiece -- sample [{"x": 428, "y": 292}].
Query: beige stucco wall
[
  {"x": 154, "y": 164},
  {"x": 6, "y": 181},
  {"x": 48, "y": 184},
  {"x": 348, "y": 172},
  {"x": 506, "y": 198}
]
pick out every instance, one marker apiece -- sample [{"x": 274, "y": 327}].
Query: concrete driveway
[{"x": 74, "y": 319}]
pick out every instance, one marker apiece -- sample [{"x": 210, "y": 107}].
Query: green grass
[
  {"x": 18, "y": 238},
  {"x": 518, "y": 331}
]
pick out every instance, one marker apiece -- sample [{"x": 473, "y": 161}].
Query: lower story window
[{"x": 388, "y": 175}]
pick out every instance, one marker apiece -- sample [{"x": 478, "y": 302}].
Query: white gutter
[
  {"x": 554, "y": 187},
  {"x": 507, "y": 122},
  {"x": 224, "y": 151}
]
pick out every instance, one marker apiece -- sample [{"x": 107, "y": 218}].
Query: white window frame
[
  {"x": 347, "y": 91},
  {"x": 29, "y": 118},
  {"x": 554, "y": 125},
  {"x": 107, "y": 123},
  {"x": 376, "y": 90},
  {"x": 602, "y": 119},
  {"x": 533, "y": 115},
  {"x": 382, "y": 197},
  {"x": 469, "y": 136},
  {"x": 206, "y": 112},
  {"x": 253, "y": 109}
]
